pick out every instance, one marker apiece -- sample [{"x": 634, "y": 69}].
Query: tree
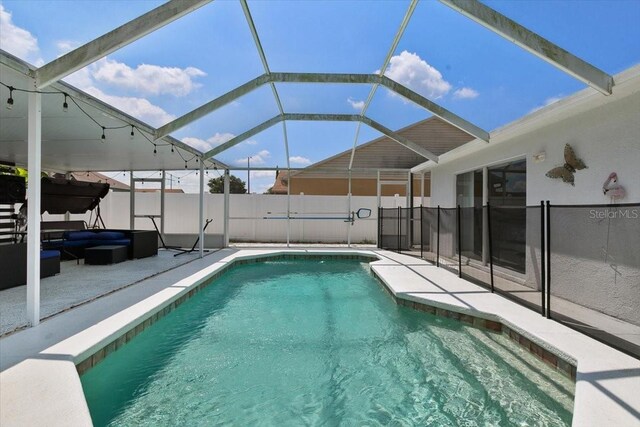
[{"x": 236, "y": 185}]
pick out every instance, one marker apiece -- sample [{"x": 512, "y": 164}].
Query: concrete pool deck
[
  {"x": 40, "y": 385},
  {"x": 80, "y": 283}
]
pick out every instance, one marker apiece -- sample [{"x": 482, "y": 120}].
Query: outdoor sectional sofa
[
  {"x": 13, "y": 264},
  {"x": 140, "y": 243}
]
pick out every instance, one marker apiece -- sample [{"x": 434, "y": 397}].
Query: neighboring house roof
[
  {"x": 281, "y": 184},
  {"x": 98, "y": 177},
  {"x": 433, "y": 134}
]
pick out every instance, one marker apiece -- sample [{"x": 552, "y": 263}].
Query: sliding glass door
[
  {"x": 469, "y": 198},
  {"x": 506, "y": 193},
  {"x": 508, "y": 199}
]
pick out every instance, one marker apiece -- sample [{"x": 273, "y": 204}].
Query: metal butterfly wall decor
[{"x": 571, "y": 164}]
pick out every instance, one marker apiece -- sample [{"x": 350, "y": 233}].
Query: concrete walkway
[{"x": 623, "y": 335}]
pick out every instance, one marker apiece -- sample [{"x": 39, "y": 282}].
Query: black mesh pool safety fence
[
  {"x": 393, "y": 228},
  {"x": 448, "y": 239},
  {"x": 594, "y": 267},
  {"x": 429, "y": 233},
  {"x": 579, "y": 265}
]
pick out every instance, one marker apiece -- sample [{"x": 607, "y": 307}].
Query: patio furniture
[
  {"x": 176, "y": 248},
  {"x": 102, "y": 255},
  {"x": 73, "y": 243},
  {"x": 49, "y": 263},
  {"x": 13, "y": 264},
  {"x": 140, "y": 243}
]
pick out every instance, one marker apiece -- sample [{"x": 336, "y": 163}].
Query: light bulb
[{"x": 10, "y": 100}]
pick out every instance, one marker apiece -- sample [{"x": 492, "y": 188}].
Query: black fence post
[
  {"x": 438, "y": 240},
  {"x": 459, "y": 243},
  {"x": 490, "y": 244},
  {"x": 421, "y": 235},
  {"x": 543, "y": 261},
  {"x": 399, "y": 227},
  {"x": 548, "y": 260}
]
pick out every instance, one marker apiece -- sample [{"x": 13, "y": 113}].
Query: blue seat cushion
[
  {"x": 108, "y": 235},
  {"x": 49, "y": 254},
  {"x": 76, "y": 243},
  {"x": 79, "y": 235}
]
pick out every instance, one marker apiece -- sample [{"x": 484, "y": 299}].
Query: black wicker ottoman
[{"x": 108, "y": 254}]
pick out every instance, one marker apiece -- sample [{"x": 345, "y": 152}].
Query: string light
[
  {"x": 65, "y": 107},
  {"x": 10, "y": 100}
]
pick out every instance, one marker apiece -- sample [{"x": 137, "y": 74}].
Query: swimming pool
[{"x": 318, "y": 342}]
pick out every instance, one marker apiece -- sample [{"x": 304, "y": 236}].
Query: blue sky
[{"x": 443, "y": 55}]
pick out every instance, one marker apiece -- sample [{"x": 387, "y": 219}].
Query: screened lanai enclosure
[{"x": 317, "y": 96}]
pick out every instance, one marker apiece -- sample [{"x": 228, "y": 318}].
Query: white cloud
[
  {"x": 548, "y": 101},
  {"x": 357, "y": 105},
  {"x": 197, "y": 143},
  {"x": 299, "y": 160},
  {"x": 410, "y": 70},
  {"x": 137, "y": 107},
  {"x": 209, "y": 143},
  {"x": 251, "y": 142},
  {"x": 465, "y": 93},
  {"x": 147, "y": 78},
  {"x": 80, "y": 79},
  {"x": 263, "y": 174},
  {"x": 257, "y": 159},
  {"x": 18, "y": 41},
  {"x": 65, "y": 46},
  {"x": 220, "y": 138}
]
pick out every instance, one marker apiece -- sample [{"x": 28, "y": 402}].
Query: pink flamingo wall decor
[{"x": 615, "y": 190}]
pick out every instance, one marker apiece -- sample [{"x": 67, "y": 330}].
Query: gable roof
[{"x": 434, "y": 134}]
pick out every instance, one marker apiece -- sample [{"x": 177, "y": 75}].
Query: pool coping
[{"x": 49, "y": 380}]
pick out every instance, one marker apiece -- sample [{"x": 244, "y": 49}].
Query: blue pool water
[{"x": 312, "y": 342}]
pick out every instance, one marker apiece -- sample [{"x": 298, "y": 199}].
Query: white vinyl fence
[{"x": 252, "y": 217}]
